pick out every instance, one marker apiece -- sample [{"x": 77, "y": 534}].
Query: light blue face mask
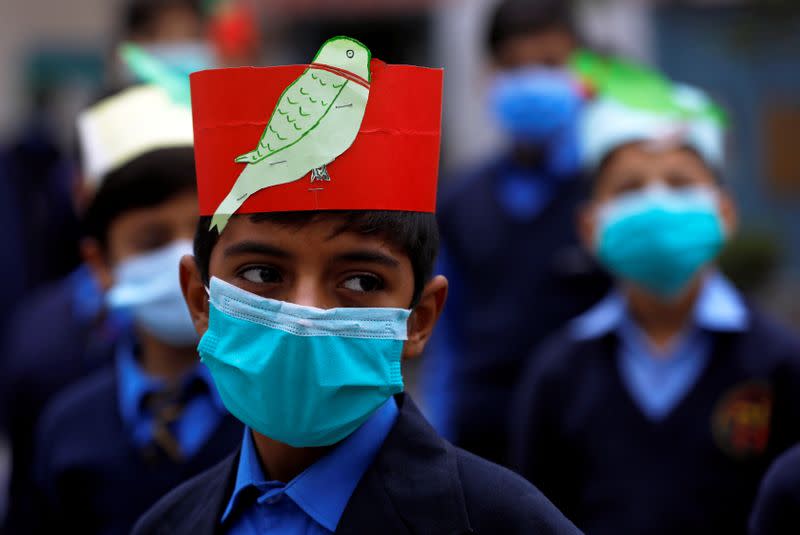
[
  {"x": 148, "y": 286},
  {"x": 659, "y": 238},
  {"x": 535, "y": 103},
  {"x": 301, "y": 375},
  {"x": 540, "y": 106}
]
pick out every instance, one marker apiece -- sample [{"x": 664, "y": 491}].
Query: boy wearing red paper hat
[{"x": 311, "y": 281}]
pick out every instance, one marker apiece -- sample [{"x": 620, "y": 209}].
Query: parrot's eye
[{"x": 350, "y": 53}]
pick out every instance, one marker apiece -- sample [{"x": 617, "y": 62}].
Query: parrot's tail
[
  {"x": 254, "y": 156},
  {"x": 219, "y": 221}
]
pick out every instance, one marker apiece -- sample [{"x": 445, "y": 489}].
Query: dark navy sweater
[
  {"x": 581, "y": 439},
  {"x": 92, "y": 479},
  {"x": 777, "y": 509},
  {"x": 517, "y": 282}
]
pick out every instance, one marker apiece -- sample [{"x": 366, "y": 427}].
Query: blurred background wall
[{"x": 54, "y": 54}]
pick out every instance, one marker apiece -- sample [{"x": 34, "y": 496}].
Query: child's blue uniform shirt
[
  {"x": 656, "y": 382},
  {"x": 198, "y": 420},
  {"x": 313, "y": 502}
]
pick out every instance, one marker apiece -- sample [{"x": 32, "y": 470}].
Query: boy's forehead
[
  {"x": 303, "y": 233},
  {"x": 655, "y": 153}
]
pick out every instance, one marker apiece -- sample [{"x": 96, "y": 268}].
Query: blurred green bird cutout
[{"x": 316, "y": 119}]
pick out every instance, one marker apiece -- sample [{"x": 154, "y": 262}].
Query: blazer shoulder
[
  {"x": 194, "y": 503},
  {"x": 81, "y": 402},
  {"x": 558, "y": 355},
  {"x": 778, "y": 498},
  {"x": 500, "y": 501}
]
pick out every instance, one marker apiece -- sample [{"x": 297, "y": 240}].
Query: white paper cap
[
  {"x": 127, "y": 125},
  {"x": 608, "y": 124}
]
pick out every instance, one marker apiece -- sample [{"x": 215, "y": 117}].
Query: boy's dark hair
[
  {"x": 139, "y": 15},
  {"x": 512, "y": 18},
  {"x": 417, "y": 234},
  {"x": 149, "y": 180}
]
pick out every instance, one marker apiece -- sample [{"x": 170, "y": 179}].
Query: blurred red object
[{"x": 235, "y": 32}]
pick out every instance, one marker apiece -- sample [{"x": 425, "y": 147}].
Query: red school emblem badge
[{"x": 741, "y": 420}]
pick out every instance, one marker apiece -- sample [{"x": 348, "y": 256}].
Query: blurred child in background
[
  {"x": 659, "y": 410},
  {"x": 112, "y": 443},
  {"x": 36, "y": 367},
  {"x": 515, "y": 265}
]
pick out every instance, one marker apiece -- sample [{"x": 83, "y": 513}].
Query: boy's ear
[
  {"x": 424, "y": 316},
  {"x": 586, "y": 223},
  {"x": 728, "y": 213},
  {"x": 194, "y": 293},
  {"x": 95, "y": 257}
]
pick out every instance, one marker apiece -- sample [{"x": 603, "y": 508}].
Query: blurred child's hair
[
  {"x": 416, "y": 234},
  {"x": 513, "y": 18},
  {"x": 149, "y": 180},
  {"x": 140, "y": 15}
]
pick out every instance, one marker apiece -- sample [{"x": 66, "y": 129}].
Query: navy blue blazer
[
  {"x": 418, "y": 483},
  {"x": 777, "y": 508},
  {"x": 49, "y": 347},
  {"x": 92, "y": 478}
]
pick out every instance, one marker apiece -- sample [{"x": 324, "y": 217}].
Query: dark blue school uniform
[
  {"x": 102, "y": 457},
  {"x": 626, "y": 442},
  {"x": 416, "y": 483},
  {"x": 56, "y": 336},
  {"x": 777, "y": 509},
  {"x": 517, "y": 273}
]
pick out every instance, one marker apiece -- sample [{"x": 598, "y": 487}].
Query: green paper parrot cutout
[
  {"x": 316, "y": 119},
  {"x": 637, "y": 87},
  {"x": 149, "y": 69}
]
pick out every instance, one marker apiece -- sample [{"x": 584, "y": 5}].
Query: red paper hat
[{"x": 392, "y": 164}]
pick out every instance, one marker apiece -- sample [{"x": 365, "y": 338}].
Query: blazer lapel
[
  {"x": 209, "y": 497},
  {"x": 412, "y": 486}
]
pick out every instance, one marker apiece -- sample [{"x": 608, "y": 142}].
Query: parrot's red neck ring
[{"x": 341, "y": 72}]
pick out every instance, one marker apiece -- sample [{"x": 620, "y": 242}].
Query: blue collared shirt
[
  {"x": 657, "y": 382},
  {"x": 197, "y": 422},
  {"x": 313, "y": 502}
]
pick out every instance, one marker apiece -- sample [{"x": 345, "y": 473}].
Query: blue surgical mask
[
  {"x": 536, "y": 105},
  {"x": 300, "y": 375},
  {"x": 183, "y": 57},
  {"x": 659, "y": 238},
  {"x": 148, "y": 286}
]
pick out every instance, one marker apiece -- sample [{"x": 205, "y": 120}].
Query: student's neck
[
  {"x": 662, "y": 321},
  {"x": 282, "y": 462},
  {"x": 164, "y": 361},
  {"x": 528, "y": 156}
]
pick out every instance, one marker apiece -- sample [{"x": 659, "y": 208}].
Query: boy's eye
[
  {"x": 262, "y": 275},
  {"x": 363, "y": 283},
  {"x": 679, "y": 180}
]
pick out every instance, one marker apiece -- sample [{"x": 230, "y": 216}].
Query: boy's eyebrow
[
  {"x": 373, "y": 257},
  {"x": 254, "y": 247}
]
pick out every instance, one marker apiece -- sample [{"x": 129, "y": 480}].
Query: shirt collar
[
  {"x": 719, "y": 308},
  {"x": 134, "y": 383},
  {"x": 87, "y": 298},
  {"x": 322, "y": 490}
]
